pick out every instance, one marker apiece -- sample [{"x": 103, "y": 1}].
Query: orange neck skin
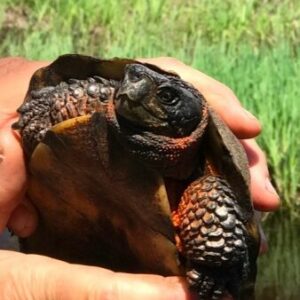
[{"x": 174, "y": 157}]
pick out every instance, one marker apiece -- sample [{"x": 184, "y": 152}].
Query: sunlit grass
[{"x": 131, "y": 27}]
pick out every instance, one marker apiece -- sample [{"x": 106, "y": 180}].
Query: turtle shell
[{"x": 101, "y": 204}]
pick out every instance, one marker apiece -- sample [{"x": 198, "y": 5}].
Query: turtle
[{"x": 130, "y": 169}]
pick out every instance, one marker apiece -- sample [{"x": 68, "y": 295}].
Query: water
[{"x": 279, "y": 269}]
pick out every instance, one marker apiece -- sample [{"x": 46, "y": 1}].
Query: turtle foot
[
  {"x": 204, "y": 285},
  {"x": 213, "y": 238},
  {"x": 213, "y": 283}
]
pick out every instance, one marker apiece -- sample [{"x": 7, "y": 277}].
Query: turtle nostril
[
  {"x": 134, "y": 73},
  {"x": 134, "y": 76}
]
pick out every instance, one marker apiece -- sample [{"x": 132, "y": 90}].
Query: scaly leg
[{"x": 212, "y": 237}]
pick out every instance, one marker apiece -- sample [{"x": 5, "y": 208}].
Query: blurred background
[{"x": 253, "y": 46}]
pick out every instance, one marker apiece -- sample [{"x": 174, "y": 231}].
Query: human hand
[
  {"x": 15, "y": 74},
  {"x": 21, "y": 217},
  {"x": 38, "y": 277}
]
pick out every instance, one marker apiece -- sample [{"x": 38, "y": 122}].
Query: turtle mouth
[
  {"x": 129, "y": 124},
  {"x": 133, "y": 113},
  {"x": 135, "y": 99}
]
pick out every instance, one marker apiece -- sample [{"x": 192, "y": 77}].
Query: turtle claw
[{"x": 205, "y": 285}]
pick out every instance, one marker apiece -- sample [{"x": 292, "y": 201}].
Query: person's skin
[{"x": 36, "y": 277}]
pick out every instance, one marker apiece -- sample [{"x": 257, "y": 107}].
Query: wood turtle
[{"x": 130, "y": 169}]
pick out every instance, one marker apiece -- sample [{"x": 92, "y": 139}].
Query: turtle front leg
[{"x": 212, "y": 238}]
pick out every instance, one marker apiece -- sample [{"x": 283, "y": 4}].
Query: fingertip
[
  {"x": 250, "y": 126},
  {"x": 241, "y": 122},
  {"x": 23, "y": 220},
  {"x": 267, "y": 204},
  {"x": 265, "y": 197}
]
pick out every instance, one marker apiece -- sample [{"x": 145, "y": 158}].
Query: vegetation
[
  {"x": 148, "y": 27},
  {"x": 251, "y": 45}
]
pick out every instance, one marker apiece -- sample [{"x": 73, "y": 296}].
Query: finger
[
  {"x": 23, "y": 220},
  {"x": 15, "y": 74},
  {"x": 12, "y": 173},
  {"x": 132, "y": 287},
  {"x": 265, "y": 197},
  {"x": 220, "y": 97},
  {"x": 40, "y": 277},
  {"x": 241, "y": 122}
]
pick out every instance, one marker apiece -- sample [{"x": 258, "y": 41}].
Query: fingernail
[
  {"x": 270, "y": 188},
  {"x": 249, "y": 114}
]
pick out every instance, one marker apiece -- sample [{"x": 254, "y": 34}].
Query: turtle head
[{"x": 159, "y": 103}]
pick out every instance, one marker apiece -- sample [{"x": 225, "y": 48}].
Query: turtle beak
[
  {"x": 135, "y": 98},
  {"x": 136, "y": 84}
]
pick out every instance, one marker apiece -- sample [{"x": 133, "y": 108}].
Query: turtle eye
[{"x": 168, "y": 96}]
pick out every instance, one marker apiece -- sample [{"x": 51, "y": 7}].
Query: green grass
[
  {"x": 147, "y": 27},
  {"x": 252, "y": 45}
]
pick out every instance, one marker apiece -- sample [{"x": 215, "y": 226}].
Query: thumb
[
  {"x": 27, "y": 277},
  {"x": 12, "y": 172}
]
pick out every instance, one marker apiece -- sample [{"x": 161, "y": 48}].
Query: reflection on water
[
  {"x": 278, "y": 293},
  {"x": 279, "y": 269}
]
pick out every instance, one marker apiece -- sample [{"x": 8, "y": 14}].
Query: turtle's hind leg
[{"x": 212, "y": 237}]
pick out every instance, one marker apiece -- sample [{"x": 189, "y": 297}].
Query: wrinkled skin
[
  {"x": 154, "y": 102},
  {"x": 14, "y": 78}
]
